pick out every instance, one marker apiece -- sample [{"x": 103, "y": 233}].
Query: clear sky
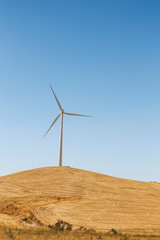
[{"x": 102, "y": 58}]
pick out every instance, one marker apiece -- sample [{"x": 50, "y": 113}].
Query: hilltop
[{"x": 81, "y": 198}]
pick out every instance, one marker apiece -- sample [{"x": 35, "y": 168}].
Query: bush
[
  {"x": 114, "y": 231},
  {"x": 61, "y": 226}
]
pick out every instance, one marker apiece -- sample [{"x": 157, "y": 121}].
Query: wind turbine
[{"x": 61, "y": 130}]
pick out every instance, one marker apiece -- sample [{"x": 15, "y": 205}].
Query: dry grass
[
  {"x": 7, "y": 233},
  {"x": 19, "y": 206},
  {"x": 81, "y": 198}
]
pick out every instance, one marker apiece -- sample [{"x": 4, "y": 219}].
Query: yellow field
[{"x": 33, "y": 200}]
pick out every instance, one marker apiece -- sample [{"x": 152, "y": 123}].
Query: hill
[{"x": 81, "y": 198}]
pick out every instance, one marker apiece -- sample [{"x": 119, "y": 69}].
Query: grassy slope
[
  {"x": 81, "y": 198},
  {"x": 48, "y": 235}
]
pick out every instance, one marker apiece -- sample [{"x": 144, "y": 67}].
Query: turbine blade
[
  {"x": 59, "y": 105},
  {"x": 74, "y": 114},
  {"x": 52, "y": 124}
]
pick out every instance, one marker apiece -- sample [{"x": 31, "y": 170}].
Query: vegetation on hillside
[{"x": 63, "y": 231}]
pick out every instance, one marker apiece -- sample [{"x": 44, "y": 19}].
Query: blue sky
[{"x": 102, "y": 59}]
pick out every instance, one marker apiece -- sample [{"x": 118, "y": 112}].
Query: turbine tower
[{"x": 61, "y": 130}]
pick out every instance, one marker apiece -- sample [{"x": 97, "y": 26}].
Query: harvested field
[{"x": 39, "y": 197}]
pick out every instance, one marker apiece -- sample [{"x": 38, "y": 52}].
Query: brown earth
[{"x": 81, "y": 198}]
